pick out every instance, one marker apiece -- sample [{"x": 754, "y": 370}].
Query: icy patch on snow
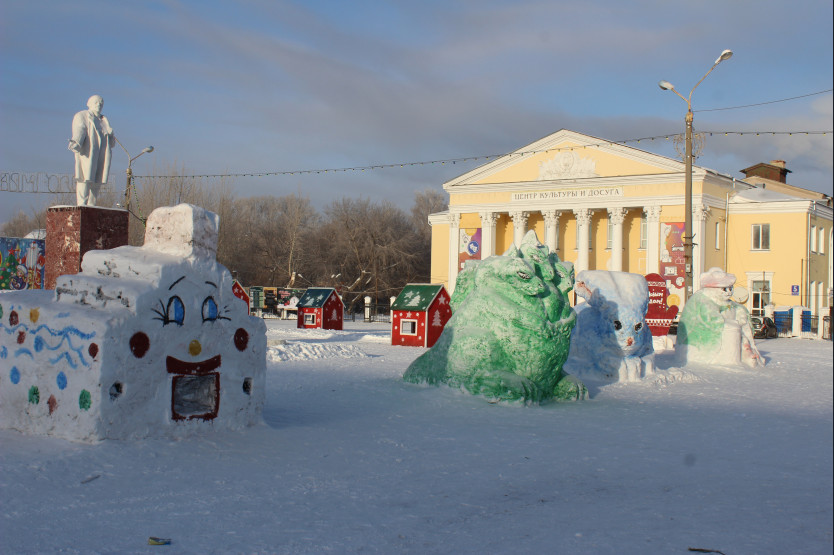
[
  {"x": 672, "y": 375},
  {"x": 376, "y": 338},
  {"x": 312, "y": 351}
]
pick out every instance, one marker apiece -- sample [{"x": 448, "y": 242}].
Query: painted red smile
[{"x": 199, "y": 368}]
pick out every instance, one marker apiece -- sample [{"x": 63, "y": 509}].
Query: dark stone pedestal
[{"x": 71, "y": 231}]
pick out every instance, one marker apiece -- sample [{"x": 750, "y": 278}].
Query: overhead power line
[
  {"x": 764, "y": 103},
  {"x": 42, "y": 182},
  {"x": 480, "y": 157}
]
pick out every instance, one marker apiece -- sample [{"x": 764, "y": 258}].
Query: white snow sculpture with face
[
  {"x": 611, "y": 339},
  {"x": 714, "y": 328},
  {"x": 189, "y": 356}
]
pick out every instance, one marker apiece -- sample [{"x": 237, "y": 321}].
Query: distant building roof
[
  {"x": 36, "y": 234},
  {"x": 416, "y": 296}
]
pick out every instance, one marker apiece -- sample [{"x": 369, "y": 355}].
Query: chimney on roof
[{"x": 776, "y": 170}]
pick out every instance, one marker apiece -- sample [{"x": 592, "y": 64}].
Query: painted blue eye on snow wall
[
  {"x": 172, "y": 313},
  {"x": 175, "y": 312},
  {"x": 210, "y": 312}
]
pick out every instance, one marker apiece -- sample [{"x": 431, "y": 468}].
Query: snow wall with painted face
[
  {"x": 509, "y": 333},
  {"x": 145, "y": 341},
  {"x": 611, "y": 340}
]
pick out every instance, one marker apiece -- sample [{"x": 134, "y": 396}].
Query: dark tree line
[{"x": 360, "y": 246}]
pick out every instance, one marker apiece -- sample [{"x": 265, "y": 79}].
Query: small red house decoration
[
  {"x": 419, "y": 314},
  {"x": 320, "y": 307}
]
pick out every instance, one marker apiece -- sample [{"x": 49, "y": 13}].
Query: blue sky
[{"x": 269, "y": 86}]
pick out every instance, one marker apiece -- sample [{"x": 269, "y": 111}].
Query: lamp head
[
  {"x": 666, "y": 86},
  {"x": 726, "y": 55},
  {"x": 147, "y": 149}
]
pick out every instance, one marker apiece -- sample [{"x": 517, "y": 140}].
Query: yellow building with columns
[{"x": 606, "y": 206}]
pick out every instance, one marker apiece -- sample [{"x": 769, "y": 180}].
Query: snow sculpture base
[
  {"x": 509, "y": 333},
  {"x": 145, "y": 341}
]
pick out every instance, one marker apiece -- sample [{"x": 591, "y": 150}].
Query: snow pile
[{"x": 310, "y": 351}]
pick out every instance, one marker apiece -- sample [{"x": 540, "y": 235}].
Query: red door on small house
[
  {"x": 438, "y": 314},
  {"x": 333, "y": 311}
]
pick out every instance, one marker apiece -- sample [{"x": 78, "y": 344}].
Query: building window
[
  {"x": 590, "y": 237},
  {"x": 813, "y": 238},
  {"x": 821, "y": 244},
  {"x": 644, "y": 232},
  {"x": 408, "y": 327},
  {"x": 761, "y": 237},
  {"x": 309, "y": 319},
  {"x": 718, "y": 236},
  {"x": 609, "y": 240},
  {"x": 761, "y": 296}
]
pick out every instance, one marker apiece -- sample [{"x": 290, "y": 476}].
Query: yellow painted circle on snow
[{"x": 194, "y": 348}]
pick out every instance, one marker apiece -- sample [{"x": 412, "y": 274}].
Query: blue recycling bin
[{"x": 783, "y": 321}]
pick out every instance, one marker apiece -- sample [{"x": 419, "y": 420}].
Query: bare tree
[
  {"x": 370, "y": 246},
  {"x": 426, "y": 202},
  {"x": 277, "y": 235},
  {"x": 22, "y": 223}
]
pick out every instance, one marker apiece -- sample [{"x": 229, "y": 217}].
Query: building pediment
[{"x": 567, "y": 155}]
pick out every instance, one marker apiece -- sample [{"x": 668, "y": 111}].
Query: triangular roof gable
[
  {"x": 315, "y": 297},
  {"x": 417, "y": 296},
  {"x": 564, "y": 140}
]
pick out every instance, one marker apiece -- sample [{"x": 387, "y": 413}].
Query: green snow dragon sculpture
[{"x": 509, "y": 333}]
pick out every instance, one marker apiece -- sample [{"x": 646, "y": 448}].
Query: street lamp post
[
  {"x": 687, "y": 237},
  {"x": 129, "y": 171}
]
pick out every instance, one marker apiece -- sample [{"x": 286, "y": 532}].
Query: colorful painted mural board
[{"x": 21, "y": 263}]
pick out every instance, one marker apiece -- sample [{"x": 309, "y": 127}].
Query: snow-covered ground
[{"x": 350, "y": 459}]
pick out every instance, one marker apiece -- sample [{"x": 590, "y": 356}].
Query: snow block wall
[
  {"x": 611, "y": 340},
  {"x": 509, "y": 333},
  {"x": 145, "y": 341}
]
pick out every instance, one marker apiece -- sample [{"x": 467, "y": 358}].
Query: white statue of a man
[{"x": 92, "y": 141}]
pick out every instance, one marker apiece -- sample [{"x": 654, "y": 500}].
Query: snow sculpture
[
  {"x": 611, "y": 338},
  {"x": 509, "y": 333},
  {"x": 145, "y": 341},
  {"x": 714, "y": 329}
]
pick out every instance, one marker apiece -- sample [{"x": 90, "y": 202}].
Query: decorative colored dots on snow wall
[{"x": 85, "y": 400}]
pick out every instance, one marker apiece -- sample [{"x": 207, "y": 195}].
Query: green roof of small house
[
  {"x": 416, "y": 296},
  {"x": 315, "y": 297}
]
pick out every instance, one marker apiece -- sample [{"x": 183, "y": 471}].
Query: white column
[
  {"x": 551, "y": 229},
  {"x": 617, "y": 216},
  {"x": 488, "y": 220},
  {"x": 652, "y": 239},
  {"x": 454, "y": 250},
  {"x": 519, "y": 226},
  {"x": 583, "y": 234},
  {"x": 699, "y": 231}
]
